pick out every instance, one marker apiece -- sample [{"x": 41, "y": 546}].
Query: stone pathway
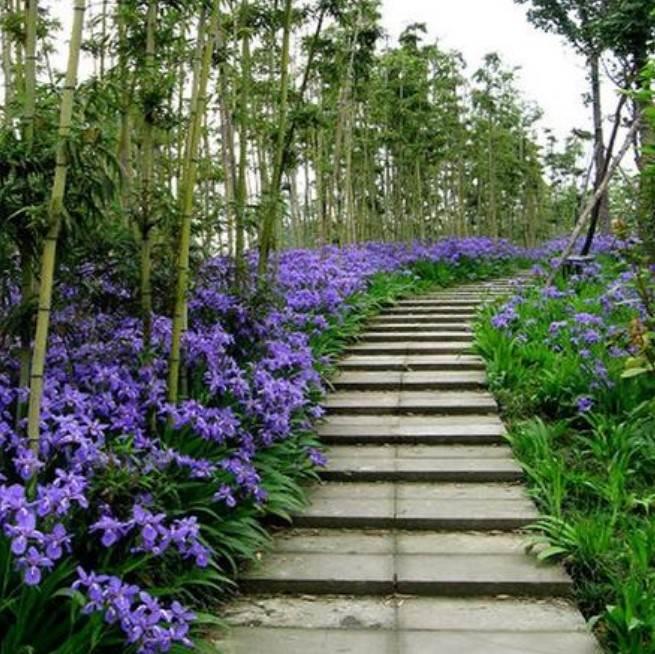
[{"x": 412, "y": 543}]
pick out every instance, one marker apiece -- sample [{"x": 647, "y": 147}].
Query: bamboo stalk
[
  {"x": 27, "y": 275},
  {"x": 7, "y": 65},
  {"x": 55, "y": 212},
  {"x": 241, "y": 191},
  {"x": 147, "y": 184},
  {"x": 124, "y": 148},
  {"x": 31, "y": 19},
  {"x": 270, "y": 216},
  {"x": 189, "y": 176},
  {"x": 227, "y": 142}
]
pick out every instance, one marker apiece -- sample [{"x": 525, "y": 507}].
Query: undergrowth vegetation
[{"x": 572, "y": 366}]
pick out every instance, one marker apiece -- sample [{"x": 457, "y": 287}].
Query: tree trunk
[
  {"x": 646, "y": 213},
  {"x": 600, "y": 155},
  {"x": 241, "y": 198},
  {"x": 29, "y": 108},
  {"x": 586, "y": 214},
  {"x": 55, "y": 212},
  {"x": 227, "y": 142},
  {"x": 187, "y": 188},
  {"x": 125, "y": 131},
  {"x": 31, "y": 21},
  {"x": 7, "y": 64},
  {"x": 148, "y": 155},
  {"x": 597, "y": 212},
  {"x": 646, "y": 206},
  {"x": 272, "y": 203}
]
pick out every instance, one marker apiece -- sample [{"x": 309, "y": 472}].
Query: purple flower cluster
[
  {"x": 252, "y": 382},
  {"x": 584, "y": 320},
  {"x": 35, "y": 529},
  {"x": 145, "y": 622},
  {"x": 154, "y": 535}
]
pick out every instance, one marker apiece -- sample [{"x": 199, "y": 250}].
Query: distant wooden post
[{"x": 586, "y": 214}]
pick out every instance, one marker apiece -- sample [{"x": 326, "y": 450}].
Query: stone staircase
[{"x": 412, "y": 543}]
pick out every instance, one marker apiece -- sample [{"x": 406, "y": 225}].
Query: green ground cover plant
[{"x": 571, "y": 365}]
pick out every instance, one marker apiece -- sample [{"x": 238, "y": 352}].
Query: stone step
[
  {"x": 468, "y": 295},
  {"x": 457, "y": 299},
  {"x": 410, "y": 347},
  {"x": 417, "y": 506},
  {"x": 465, "y": 305},
  {"x": 421, "y": 463},
  {"x": 418, "y": 362},
  {"x": 384, "y": 326},
  {"x": 412, "y": 402},
  {"x": 433, "y": 614},
  {"x": 450, "y": 430},
  {"x": 415, "y": 335},
  {"x": 411, "y": 544},
  {"x": 463, "y": 312},
  {"x": 438, "y": 565},
  {"x": 300, "y": 640},
  {"x": 404, "y": 625},
  {"x": 415, "y": 380},
  {"x": 431, "y": 317},
  {"x": 496, "y": 288}
]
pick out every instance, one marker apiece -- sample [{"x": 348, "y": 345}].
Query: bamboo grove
[
  {"x": 235, "y": 126},
  {"x": 312, "y": 129}
]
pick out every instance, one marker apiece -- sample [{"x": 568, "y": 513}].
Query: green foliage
[{"x": 590, "y": 473}]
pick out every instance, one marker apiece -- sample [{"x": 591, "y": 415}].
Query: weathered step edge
[
  {"x": 447, "y": 476},
  {"x": 414, "y": 523}
]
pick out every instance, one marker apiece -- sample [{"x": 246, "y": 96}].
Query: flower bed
[
  {"x": 134, "y": 508},
  {"x": 568, "y": 363}
]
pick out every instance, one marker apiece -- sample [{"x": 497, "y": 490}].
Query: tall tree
[
  {"x": 628, "y": 29},
  {"x": 579, "y": 21}
]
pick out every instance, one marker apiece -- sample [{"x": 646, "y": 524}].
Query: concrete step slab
[
  {"x": 409, "y": 347},
  {"x": 260, "y": 640},
  {"x": 415, "y": 380},
  {"x": 467, "y": 313},
  {"x": 420, "y": 452},
  {"x": 470, "y": 310},
  {"x": 462, "y": 312},
  {"x": 383, "y": 326},
  {"x": 442, "y": 318},
  {"x": 467, "y": 574},
  {"x": 463, "y": 507},
  {"x": 410, "y": 402},
  {"x": 436, "y": 300},
  {"x": 451, "y": 430},
  {"x": 422, "y": 463},
  {"x": 432, "y": 336},
  {"x": 483, "y": 296},
  {"x": 412, "y": 362},
  {"x": 494, "y": 642},
  {"x": 322, "y": 573},
  {"x": 416, "y": 506},
  {"x": 301, "y": 640},
  {"x": 428, "y": 614},
  {"x": 352, "y": 562}
]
